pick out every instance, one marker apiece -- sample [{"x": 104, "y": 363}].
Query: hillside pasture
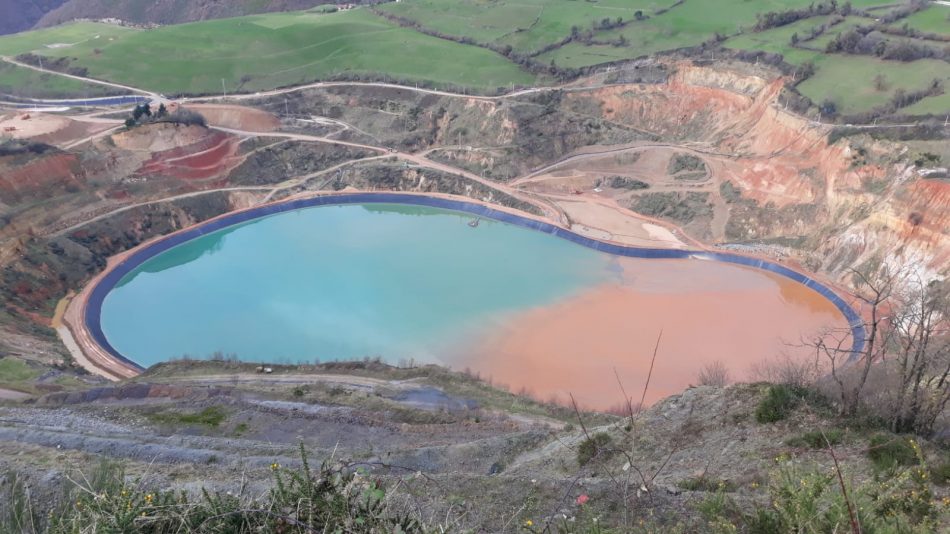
[
  {"x": 266, "y": 51},
  {"x": 29, "y": 83},
  {"x": 778, "y": 40},
  {"x": 934, "y": 19},
  {"x": 686, "y": 25},
  {"x": 821, "y": 42},
  {"x": 848, "y": 81},
  {"x": 526, "y": 25},
  {"x": 932, "y": 105},
  {"x": 60, "y": 40}
]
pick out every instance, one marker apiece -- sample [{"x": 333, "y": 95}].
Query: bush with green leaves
[
  {"x": 888, "y": 451},
  {"x": 781, "y": 399},
  {"x": 706, "y": 483},
  {"x": 330, "y": 499},
  {"x": 940, "y": 473},
  {"x": 596, "y": 446},
  {"x": 778, "y": 403},
  {"x": 811, "y": 501},
  {"x": 817, "y": 439}
]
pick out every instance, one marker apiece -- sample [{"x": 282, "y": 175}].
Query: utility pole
[{"x": 224, "y": 90}]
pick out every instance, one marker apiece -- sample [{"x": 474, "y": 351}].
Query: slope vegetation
[
  {"x": 168, "y": 11},
  {"x": 267, "y": 51},
  {"x": 20, "y": 15}
]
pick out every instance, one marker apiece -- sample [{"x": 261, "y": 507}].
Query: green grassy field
[
  {"x": 29, "y": 83},
  {"x": 686, "y": 25},
  {"x": 821, "y": 42},
  {"x": 89, "y": 35},
  {"x": 936, "y": 105},
  {"x": 262, "y": 52},
  {"x": 526, "y": 25},
  {"x": 778, "y": 41},
  {"x": 934, "y": 19},
  {"x": 849, "y": 80},
  {"x": 16, "y": 374},
  {"x": 267, "y": 51}
]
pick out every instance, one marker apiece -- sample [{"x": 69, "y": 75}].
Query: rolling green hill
[
  {"x": 168, "y": 11},
  {"x": 484, "y": 45},
  {"x": 267, "y": 51}
]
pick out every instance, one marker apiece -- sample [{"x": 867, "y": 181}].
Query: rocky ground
[{"x": 487, "y": 458}]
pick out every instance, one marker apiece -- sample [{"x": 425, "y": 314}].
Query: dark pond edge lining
[{"x": 93, "y": 307}]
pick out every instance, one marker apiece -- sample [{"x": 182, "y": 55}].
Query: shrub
[
  {"x": 331, "y": 499},
  {"x": 810, "y": 501},
  {"x": 816, "y": 439},
  {"x": 185, "y": 117},
  {"x": 729, "y": 192},
  {"x": 620, "y": 182},
  {"x": 705, "y": 483},
  {"x": 596, "y": 446},
  {"x": 678, "y": 206},
  {"x": 13, "y": 147},
  {"x": 685, "y": 162},
  {"x": 940, "y": 474},
  {"x": 778, "y": 403},
  {"x": 888, "y": 451},
  {"x": 16, "y": 515},
  {"x": 713, "y": 374},
  {"x": 211, "y": 416}
]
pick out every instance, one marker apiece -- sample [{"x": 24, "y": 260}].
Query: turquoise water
[{"x": 341, "y": 282}]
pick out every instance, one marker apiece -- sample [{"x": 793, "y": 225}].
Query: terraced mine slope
[{"x": 709, "y": 148}]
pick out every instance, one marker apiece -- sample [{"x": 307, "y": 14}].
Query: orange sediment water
[{"x": 707, "y": 311}]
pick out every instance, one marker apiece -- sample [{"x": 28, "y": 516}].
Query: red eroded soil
[
  {"x": 769, "y": 149},
  {"x": 924, "y": 216},
  {"x": 237, "y": 117},
  {"x": 213, "y": 155},
  {"x": 40, "y": 177},
  {"x": 781, "y": 160}
]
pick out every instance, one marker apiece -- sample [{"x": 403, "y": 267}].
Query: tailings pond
[{"x": 414, "y": 283}]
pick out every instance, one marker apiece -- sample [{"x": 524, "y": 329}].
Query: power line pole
[{"x": 224, "y": 90}]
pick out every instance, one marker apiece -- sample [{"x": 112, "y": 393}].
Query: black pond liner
[{"x": 93, "y": 310}]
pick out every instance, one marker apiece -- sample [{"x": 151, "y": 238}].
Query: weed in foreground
[{"x": 330, "y": 499}]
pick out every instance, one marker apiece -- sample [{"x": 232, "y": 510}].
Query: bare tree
[
  {"x": 713, "y": 374},
  {"x": 902, "y": 374},
  {"x": 849, "y": 370},
  {"x": 785, "y": 369},
  {"x": 921, "y": 361}
]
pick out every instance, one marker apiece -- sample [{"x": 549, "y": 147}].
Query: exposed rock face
[
  {"x": 846, "y": 201},
  {"x": 38, "y": 176}
]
